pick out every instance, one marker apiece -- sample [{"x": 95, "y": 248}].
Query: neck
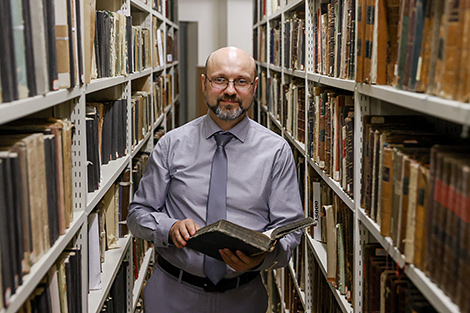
[{"x": 226, "y": 125}]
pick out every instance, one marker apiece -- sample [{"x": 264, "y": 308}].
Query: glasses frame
[{"x": 228, "y": 83}]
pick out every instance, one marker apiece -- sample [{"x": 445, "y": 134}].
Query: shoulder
[
  {"x": 183, "y": 132},
  {"x": 266, "y": 137}
]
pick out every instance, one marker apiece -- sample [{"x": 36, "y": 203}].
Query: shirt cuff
[
  {"x": 161, "y": 234},
  {"x": 269, "y": 261}
]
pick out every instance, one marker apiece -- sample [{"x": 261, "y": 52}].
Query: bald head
[{"x": 230, "y": 56}]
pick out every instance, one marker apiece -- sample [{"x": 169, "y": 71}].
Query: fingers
[
  {"x": 239, "y": 261},
  {"x": 181, "y": 231}
]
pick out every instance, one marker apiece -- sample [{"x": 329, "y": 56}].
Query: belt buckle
[{"x": 210, "y": 287}]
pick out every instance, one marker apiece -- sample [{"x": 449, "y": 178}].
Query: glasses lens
[{"x": 222, "y": 83}]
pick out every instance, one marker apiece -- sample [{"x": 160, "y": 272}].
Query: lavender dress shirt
[{"x": 262, "y": 188}]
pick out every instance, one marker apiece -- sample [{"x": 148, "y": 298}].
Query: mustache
[{"x": 229, "y": 98}]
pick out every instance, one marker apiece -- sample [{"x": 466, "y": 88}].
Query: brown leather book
[
  {"x": 422, "y": 73},
  {"x": 67, "y": 130},
  {"x": 463, "y": 79},
  {"x": 411, "y": 214},
  {"x": 393, "y": 18},
  {"x": 421, "y": 213},
  {"x": 463, "y": 285},
  {"x": 447, "y": 67},
  {"x": 380, "y": 43},
  {"x": 454, "y": 164},
  {"x": 387, "y": 191},
  {"x": 369, "y": 38},
  {"x": 360, "y": 39}
]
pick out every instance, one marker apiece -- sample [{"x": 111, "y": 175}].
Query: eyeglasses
[{"x": 222, "y": 83}]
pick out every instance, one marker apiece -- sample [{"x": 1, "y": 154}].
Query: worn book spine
[
  {"x": 448, "y": 61},
  {"x": 39, "y": 47},
  {"x": 331, "y": 238},
  {"x": 423, "y": 66},
  {"x": 451, "y": 247},
  {"x": 421, "y": 212},
  {"x": 411, "y": 214},
  {"x": 409, "y": 44},
  {"x": 421, "y": 8},
  {"x": 379, "y": 46},
  {"x": 387, "y": 191},
  {"x": 19, "y": 49},
  {"x": 393, "y": 18},
  {"x": 402, "y": 43},
  {"x": 369, "y": 35},
  {"x": 463, "y": 285},
  {"x": 463, "y": 79},
  {"x": 403, "y": 213}
]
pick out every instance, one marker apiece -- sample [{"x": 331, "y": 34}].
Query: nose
[{"x": 230, "y": 89}]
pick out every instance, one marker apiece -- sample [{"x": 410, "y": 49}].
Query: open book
[{"x": 224, "y": 234}]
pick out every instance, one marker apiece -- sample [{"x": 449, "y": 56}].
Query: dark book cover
[
  {"x": 51, "y": 49},
  {"x": 7, "y": 62},
  {"x": 71, "y": 50},
  {"x": 6, "y": 246},
  {"x": 79, "y": 41},
  {"x": 28, "y": 44},
  {"x": 224, "y": 234},
  {"x": 50, "y": 157}
]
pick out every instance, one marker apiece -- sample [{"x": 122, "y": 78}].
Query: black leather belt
[{"x": 204, "y": 282}]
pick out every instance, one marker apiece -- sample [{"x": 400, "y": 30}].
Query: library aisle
[
  {"x": 87, "y": 89},
  {"x": 373, "y": 97}
]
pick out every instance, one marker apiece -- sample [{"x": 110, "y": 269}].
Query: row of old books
[
  {"x": 416, "y": 191},
  {"x": 275, "y": 43},
  {"x": 138, "y": 168},
  {"x": 415, "y": 45},
  {"x": 139, "y": 248},
  {"x": 36, "y": 171},
  {"x": 331, "y": 134},
  {"x": 271, "y": 93},
  {"x": 159, "y": 97},
  {"x": 333, "y": 36},
  {"x": 269, "y": 7},
  {"x": 112, "y": 44},
  {"x": 298, "y": 265},
  {"x": 294, "y": 41},
  {"x": 171, "y": 46},
  {"x": 61, "y": 288},
  {"x": 157, "y": 44},
  {"x": 335, "y": 229},
  {"x": 385, "y": 287},
  {"x": 106, "y": 124},
  {"x": 40, "y": 47},
  {"x": 106, "y": 224},
  {"x": 292, "y": 298},
  {"x": 117, "y": 299},
  {"x": 142, "y": 120},
  {"x": 293, "y": 108},
  {"x": 171, "y": 9},
  {"x": 324, "y": 301},
  {"x": 263, "y": 57}
]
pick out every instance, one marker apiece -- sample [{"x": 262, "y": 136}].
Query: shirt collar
[{"x": 240, "y": 130}]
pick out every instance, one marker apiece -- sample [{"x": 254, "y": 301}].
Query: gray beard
[{"x": 226, "y": 115}]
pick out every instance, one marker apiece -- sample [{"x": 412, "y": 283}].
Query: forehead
[{"x": 230, "y": 65}]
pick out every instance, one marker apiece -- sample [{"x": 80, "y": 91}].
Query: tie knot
[{"x": 222, "y": 138}]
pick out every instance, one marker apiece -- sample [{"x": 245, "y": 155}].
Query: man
[{"x": 259, "y": 191}]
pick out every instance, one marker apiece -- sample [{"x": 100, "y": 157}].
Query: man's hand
[
  {"x": 181, "y": 231},
  {"x": 239, "y": 261}
]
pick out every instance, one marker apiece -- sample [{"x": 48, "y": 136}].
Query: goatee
[{"x": 227, "y": 113}]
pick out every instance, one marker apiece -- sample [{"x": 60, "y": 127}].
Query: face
[{"x": 231, "y": 64}]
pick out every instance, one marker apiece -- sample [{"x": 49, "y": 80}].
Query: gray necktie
[{"x": 216, "y": 202}]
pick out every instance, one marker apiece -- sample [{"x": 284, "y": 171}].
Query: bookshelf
[
  {"x": 71, "y": 104},
  {"x": 450, "y": 117}
]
